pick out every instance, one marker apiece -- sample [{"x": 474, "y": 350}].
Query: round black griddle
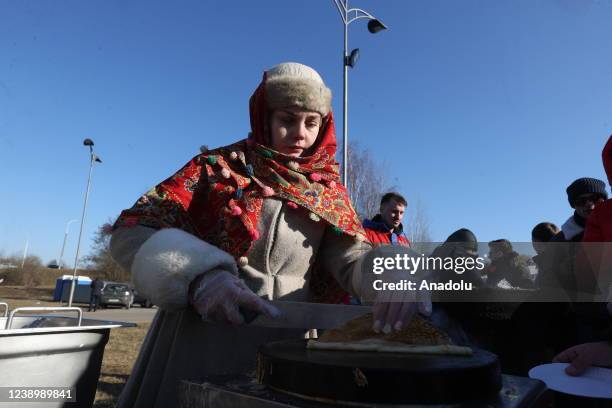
[{"x": 391, "y": 378}]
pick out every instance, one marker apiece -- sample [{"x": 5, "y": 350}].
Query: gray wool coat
[{"x": 179, "y": 345}]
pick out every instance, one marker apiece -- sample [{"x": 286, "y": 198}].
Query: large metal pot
[{"x": 44, "y": 351}]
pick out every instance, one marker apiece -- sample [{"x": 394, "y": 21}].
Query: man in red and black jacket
[{"x": 386, "y": 227}]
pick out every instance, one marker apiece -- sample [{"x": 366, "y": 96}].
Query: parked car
[
  {"x": 116, "y": 294},
  {"x": 141, "y": 300}
]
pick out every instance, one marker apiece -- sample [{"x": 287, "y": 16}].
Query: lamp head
[
  {"x": 375, "y": 26},
  {"x": 88, "y": 142},
  {"x": 352, "y": 59}
]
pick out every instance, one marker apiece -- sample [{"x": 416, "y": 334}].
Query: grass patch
[
  {"x": 41, "y": 293},
  {"x": 119, "y": 357},
  {"x": 22, "y": 296}
]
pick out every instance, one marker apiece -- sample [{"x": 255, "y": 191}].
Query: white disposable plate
[{"x": 596, "y": 382}]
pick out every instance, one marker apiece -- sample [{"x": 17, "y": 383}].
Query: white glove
[{"x": 220, "y": 295}]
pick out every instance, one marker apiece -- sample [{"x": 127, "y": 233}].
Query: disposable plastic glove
[
  {"x": 220, "y": 294},
  {"x": 393, "y": 311}
]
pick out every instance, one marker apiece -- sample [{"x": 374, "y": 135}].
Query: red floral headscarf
[{"x": 218, "y": 195}]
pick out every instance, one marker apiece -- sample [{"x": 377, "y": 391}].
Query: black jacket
[{"x": 512, "y": 268}]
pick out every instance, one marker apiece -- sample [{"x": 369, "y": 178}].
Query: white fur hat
[{"x": 293, "y": 84}]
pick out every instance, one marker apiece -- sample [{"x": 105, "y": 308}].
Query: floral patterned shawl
[{"x": 218, "y": 195}]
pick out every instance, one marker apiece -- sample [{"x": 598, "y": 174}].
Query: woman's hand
[
  {"x": 583, "y": 356},
  {"x": 388, "y": 280},
  {"x": 220, "y": 294},
  {"x": 390, "y": 316},
  {"x": 394, "y": 312}
]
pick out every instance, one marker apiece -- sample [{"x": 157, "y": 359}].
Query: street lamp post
[
  {"x": 25, "y": 251},
  {"x": 92, "y": 159},
  {"x": 61, "y": 257},
  {"x": 374, "y": 25}
]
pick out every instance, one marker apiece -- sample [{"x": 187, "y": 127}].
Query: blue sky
[{"x": 485, "y": 111}]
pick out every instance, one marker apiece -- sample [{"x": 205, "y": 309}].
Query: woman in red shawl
[{"x": 264, "y": 218}]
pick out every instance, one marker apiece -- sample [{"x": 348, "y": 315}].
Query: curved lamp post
[
  {"x": 61, "y": 257},
  {"x": 374, "y": 25},
  {"x": 92, "y": 159}
]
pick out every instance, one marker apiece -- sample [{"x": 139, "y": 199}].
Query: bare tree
[
  {"x": 417, "y": 227},
  {"x": 100, "y": 258},
  {"x": 367, "y": 181},
  {"x": 32, "y": 267},
  {"x": 14, "y": 274}
]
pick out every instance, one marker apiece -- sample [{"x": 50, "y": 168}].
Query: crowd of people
[
  {"x": 267, "y": 218},
  {"x": 546, "y": 326},
  {"x": 556, "y": 324}
]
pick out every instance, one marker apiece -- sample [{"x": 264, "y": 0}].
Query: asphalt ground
[{"x": 135, "y": 314}]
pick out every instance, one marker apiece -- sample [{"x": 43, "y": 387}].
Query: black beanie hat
[
  {"x": 466, "y": 236},
  {"x": 586, "y": 185}
]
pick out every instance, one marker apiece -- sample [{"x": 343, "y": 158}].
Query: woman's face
[{"x": 293, "y": 131}]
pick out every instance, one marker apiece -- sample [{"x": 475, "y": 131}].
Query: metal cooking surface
[
  {"x": 245, "y": 392},
  {"x": 297, "y": 351}
]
